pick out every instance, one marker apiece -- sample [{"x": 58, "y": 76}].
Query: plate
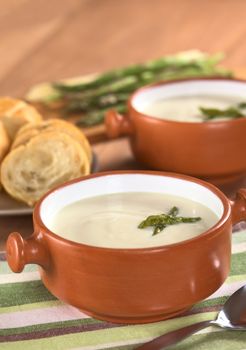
[{"x": 10, "y": 207}]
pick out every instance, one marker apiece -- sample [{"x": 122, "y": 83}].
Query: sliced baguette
[
  {"x": 34, "y": 129},
  {"x": 43, "y": 162},
  {"x": 4, "y": 142},
  {"x": 15, "y": 113}
]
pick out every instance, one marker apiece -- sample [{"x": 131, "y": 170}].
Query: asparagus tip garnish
[
  {"x": 232, "y": 112},
  {"x": 161, "y": 221}
]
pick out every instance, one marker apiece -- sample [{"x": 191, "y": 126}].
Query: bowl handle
[
  {"x": 117, "y": 124},
  {"x": 239, "y": 206},
  {"x": 22, "y": 251}
]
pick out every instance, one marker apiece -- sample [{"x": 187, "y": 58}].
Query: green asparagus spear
[
  {"x": 97, "y": 117},
  {"x": 103, "y": 79},
  {"x": 113, "y": 88},
  {"x": 153, "y": 66},
  {"x": 95, "y": 109},
  {"x": 233, "y": 112},
  {"x": 87, "y": 105},
  {"x": 121, "y": 86},
  {"x": 129, "y": 84},
  {"x": 159, "y": 222},
  {"x": 121, "y": 89},
  {"x": 212, "y": 113},
  {"x": 173, "y": 211},
  {"x": 242, "y": 105}
]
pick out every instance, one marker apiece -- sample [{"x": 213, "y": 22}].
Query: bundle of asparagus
[{"x": 93, "y": 98}]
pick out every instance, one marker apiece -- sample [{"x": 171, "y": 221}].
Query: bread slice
[
  {"x": 15, "y": 113},
  {"x": 4, "y": 142},
  {"x": 33, "y": 129},
  {"x": 45, "y": 161}
]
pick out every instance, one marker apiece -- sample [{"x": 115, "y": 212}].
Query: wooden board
[{"x": 94, "y": 134}]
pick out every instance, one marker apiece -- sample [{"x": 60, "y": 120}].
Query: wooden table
[{"x": 45, "y": 40}]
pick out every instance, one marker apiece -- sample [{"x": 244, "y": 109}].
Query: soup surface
[
  {"x": 112, "y": 220},
  {"x": 186, "y": 108}
]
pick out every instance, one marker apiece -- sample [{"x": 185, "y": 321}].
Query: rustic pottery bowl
[
  {"x": 214, "y": 151},
  {"x": 130, "y": 285}
]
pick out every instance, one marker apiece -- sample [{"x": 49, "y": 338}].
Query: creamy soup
[
  {"x": 112, "y": 220},
  {"x": 186, "y": 108}
]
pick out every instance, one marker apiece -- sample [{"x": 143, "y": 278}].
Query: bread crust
[
  {"x": 30, "y": 130},
  {"x": 4, "y": 142},
  {"x": 43, "y": 162},
  {"x": 15, "y": 113}
]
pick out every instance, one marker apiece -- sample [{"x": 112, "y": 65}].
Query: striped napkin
[{"x": 31, "y": 318}]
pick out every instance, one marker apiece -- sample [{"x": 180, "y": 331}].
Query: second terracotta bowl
[
  {"x": 130, "y": 285},
  {"x": 214, "y": 151}
]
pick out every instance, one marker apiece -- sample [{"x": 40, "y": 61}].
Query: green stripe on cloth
[
  {"x": 108, "y": 336},
  {"x": 210, "y": 302},
  {"x": 22, "y": 293},
  {"x": 226, "y": 340},
  {"x": 238, "y": 264},
  {"x": 74, "y": 323},
  {"x": 219, "y": 340}
]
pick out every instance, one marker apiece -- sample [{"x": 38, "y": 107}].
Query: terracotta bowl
[
  {"x": 130, "y": 285},
  {"x": 214, "y": 151}
]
